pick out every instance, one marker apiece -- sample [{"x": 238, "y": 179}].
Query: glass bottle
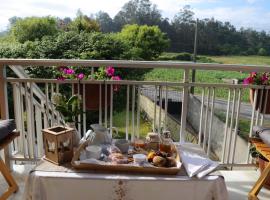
[{"x": 166, "y": 143}]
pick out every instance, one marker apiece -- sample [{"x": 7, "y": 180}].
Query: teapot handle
[{"x": 114, "y": 129}]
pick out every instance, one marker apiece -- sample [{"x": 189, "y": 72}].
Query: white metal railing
[{"x": 40, "y": 114}]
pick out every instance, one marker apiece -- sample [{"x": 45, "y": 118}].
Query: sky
[{"x": 241, "y": 13}]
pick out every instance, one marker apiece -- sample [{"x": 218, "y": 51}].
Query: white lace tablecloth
[{"x": 50, "y": 182}]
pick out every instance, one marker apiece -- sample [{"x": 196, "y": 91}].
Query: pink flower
[
  {"x": 110, "y": 71},
  {"x": 80, "y": 76},
  {"x": 264, "y": 79},
  {"x": 116, "y": 78},
  {"x": 68, "y": 71},
  {"x": 248, "y": 80},
  {"x": 253, "y": 74}
]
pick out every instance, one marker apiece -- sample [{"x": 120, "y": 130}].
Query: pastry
[{"x": 159, "y": 161}]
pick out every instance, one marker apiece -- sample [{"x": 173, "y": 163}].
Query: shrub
[
  {"x": 179, "y": 56},
  {"x": 33, "y": 28},
  {"x": 143, "y": 42},
  {"x": 262, "y": 52}
]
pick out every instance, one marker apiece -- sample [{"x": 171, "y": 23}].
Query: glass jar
[{"x": 166, "y": 143}]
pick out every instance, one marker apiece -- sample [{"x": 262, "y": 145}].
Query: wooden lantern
[{"x": 58, "y": 144}]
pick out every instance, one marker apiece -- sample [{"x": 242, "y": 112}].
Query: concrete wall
[
  {"x": 218, "y": 131},
  {"x": 148, "y": 107}
]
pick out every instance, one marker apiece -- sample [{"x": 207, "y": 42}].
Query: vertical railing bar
[
  {"x": 211, "y": 122},
  {"x": 166, "y": 109},
  {"x": 155, "y": 109},
  {"x": 138, "y": 112},
  {"x": 39, "y": 139},
  {"x": 17, "y": 114},
  {"x": 33, "y": 122},
  {"x": 111, "y": 110},
  {"x": 52, "y": 106},
  {"x": 79, "y": 116},
  {"x": 105, "y": 103},
  {"x": 45, "y": 120},
  {"x": 133, "y": 110},
  {"x": 84, "y": 111},
  {"x": 201, "y": 117},
  {"x": 226, "y": 127},
  {"x": 16, "y": 108},
  {"x": 127, "y": 113},
  {"x": 47, "y": 104},
  {"x": 28, "y": 122},
  {"x": 184, "y": 107},
  {"x": 72, "y": 89},
  {"x": 236, "y": 125},
  {"x": 206, "y": 119},
  {"x": 231, "y": 126},
  {"x": 264, "y": 107},
  {"x": 100, "y": 104},
  {"x": 259, "y": 109},
  {"x": 252, "y": 122},
  {"x": 57, "y": 114},
  {"x": 22, "y": 117},
  {"x": 160, "y": 109},
  {"x": 92, "y": 73}
]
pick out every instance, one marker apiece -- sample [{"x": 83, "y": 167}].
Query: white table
[{"x": 50, "y": 182}]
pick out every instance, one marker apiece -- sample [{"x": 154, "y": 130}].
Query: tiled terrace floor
[{"x": 238, "y": 183}]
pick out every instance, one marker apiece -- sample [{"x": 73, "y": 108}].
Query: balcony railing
[{"x": 33, "y": 109}]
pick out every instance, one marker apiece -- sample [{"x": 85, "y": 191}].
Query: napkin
[{"x": 195, "y": 161}]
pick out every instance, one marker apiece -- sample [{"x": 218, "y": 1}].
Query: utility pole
[{"x": 194, "y": 56}]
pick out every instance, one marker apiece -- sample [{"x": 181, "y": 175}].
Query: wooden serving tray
[{"x": 123, "y": 167}]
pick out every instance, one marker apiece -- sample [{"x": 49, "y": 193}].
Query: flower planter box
[
  {"x": 92, "y": 94},
  {"x": 263, "y": 108}
]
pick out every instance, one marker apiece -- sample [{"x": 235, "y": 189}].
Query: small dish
[{"x": 139, "y": 158}]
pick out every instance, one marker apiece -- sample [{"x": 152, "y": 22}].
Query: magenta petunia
[
  {"x": 264, "y": 78},
  {"x": 253, "y": 74},
  {"x": 68, "y": 71},
  {"x": 80, "y": 76},
  {"x": 116, "y": 78},
  {"x": 248, "y": 80},
  {"x": 110, "y": 71}
]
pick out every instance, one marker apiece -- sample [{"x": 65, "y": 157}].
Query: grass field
[
  {"x": 119, "y": 121},
  {"x": 215, "y": 77},
  {"x": 211, "y": 76},
  {"x": 252, "y": 60}
]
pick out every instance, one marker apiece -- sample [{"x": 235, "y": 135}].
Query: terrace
[{"x": 28, "y": 100}]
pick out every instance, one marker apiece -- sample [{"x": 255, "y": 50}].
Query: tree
[
  {"x": 184, "y": 27},
  {"x": 141, "y": 12},
  {"x": 33, "y": 28},
  {"x": 105, "y": 22},
  {"x": 84, "y": 23},
  {"x": 145, "y": 42},
  {"x": 63, "y": 24},
  {"x": 13, "y": 20}
]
